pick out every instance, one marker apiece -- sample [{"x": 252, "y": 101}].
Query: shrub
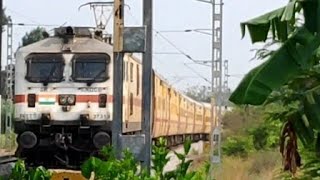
[
  {"x": 19, "y": 171},
  {"x": 237, "y": 146},
  {"x": 108, "y": 167},
  {"x": 125, "y": 168},
  {"x": 259, "y": 137},
  {"x": 266, "y": 135},
  {"x": 8, "y": 141}
]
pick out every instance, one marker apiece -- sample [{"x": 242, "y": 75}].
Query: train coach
[{"x": 63, "y": 100}]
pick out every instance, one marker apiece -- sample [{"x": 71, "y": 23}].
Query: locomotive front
[{"x": 63, "y": 97}]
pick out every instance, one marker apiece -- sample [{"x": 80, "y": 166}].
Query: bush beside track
[{"x": 106, "y": 166}]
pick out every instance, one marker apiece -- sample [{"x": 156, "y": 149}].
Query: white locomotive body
[{"x": 63, "y": 93}]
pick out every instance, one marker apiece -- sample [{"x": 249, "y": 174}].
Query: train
[{"x": 63, "y": 99}]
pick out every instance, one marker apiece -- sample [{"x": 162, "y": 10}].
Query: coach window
[
  {"x": 127, "y": 72},
  {"x": 44, "y": 68},
  {"x": 131, "y": 72},
  {"x": 123, "y": 71},
  {"x": 90, "y": 68},
  {"x": 138, "y": 80},
  {"x": 131, "y": 104}
]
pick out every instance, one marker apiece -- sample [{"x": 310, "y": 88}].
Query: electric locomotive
[{"x": 63, "y": 97}]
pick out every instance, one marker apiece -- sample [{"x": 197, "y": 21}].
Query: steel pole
[
  {"x": 117, "y": 102},
  {"x": 117, "y": 77},
  {"x": 1, "y": 85},
  {"x": 221, "y": 93},
  {"x": 1, "y": 19},
  {"x": 147, "y": 83},
  {"x": 213, "y": 91}
]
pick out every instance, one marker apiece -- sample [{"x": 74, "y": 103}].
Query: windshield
[
  {"x": 90, "y": 67},
  {"x": 45, "y": 68}
]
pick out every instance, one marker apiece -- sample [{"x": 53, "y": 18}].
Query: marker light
[
  {"x": 102, "y": 100},
  {"x": 31, "y": 100}
]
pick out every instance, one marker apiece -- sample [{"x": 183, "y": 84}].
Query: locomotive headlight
[
  {"x": 67, "y": 99},
  {"x": 71, "y": 99},
  {"x": 63, "y": 100}
]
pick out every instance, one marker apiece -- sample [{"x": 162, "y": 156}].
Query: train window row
[
  {"x": 130, "y": 75},
  {"x": 177, "y": 114}
]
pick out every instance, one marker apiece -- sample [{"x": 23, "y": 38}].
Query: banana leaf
[
  {"x": 310, "y": 8},
  {"x": 304, "y": 133},
  {"x": 286, "y": 63},
  {"x": 276, "y": 21},
  {"x": 311, "y": 104}
]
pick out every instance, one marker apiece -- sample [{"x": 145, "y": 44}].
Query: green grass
[{"x": 8, "y": 141}]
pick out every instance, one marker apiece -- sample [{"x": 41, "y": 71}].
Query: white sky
[{"x": 168, "y": 15}]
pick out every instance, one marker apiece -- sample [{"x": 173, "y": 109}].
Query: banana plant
[{"x": 289, "y": 76}]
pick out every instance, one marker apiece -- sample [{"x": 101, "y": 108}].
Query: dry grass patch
[{"x": 258, "y": 166}]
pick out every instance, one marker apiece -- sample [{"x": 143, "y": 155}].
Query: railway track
[
  {"x": 6, "y": 165},
  {"x": 7, "y": 159}
]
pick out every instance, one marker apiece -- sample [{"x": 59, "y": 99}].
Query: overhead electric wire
[
  {"x": 166, "y": 53},
  {"x": 35, "y": 23},
  {"x": 200, "y": 64},
  {"x": 183, "y": 53},
  {"x": 198, "y": 30},
  {"x": 171, "y": 43},
  {"x": 43, "y": 25},
  {"x": 23, "y": 16},
  {"x": 194, "y": 71},
  {"x": 179, "y": 50}
]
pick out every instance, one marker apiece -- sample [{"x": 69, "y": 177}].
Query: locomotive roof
[{"x": 77, "y": 44}]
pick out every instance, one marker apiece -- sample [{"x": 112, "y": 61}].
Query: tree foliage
[
  {"x": 20, "y": 171},
  {"x": 289, "y": 77},
  {"x": 250, "y": 129},
  {"x": 279, "y": 22},
  {"x": 4, "y": 20},
  {"x": 34, "y": 35},
  {"x": 199, "y": 93}
]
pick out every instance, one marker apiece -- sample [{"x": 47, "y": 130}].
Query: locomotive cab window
[
  {"x": 90, "y": 68},
  {"x": 44, "y": 68}
]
